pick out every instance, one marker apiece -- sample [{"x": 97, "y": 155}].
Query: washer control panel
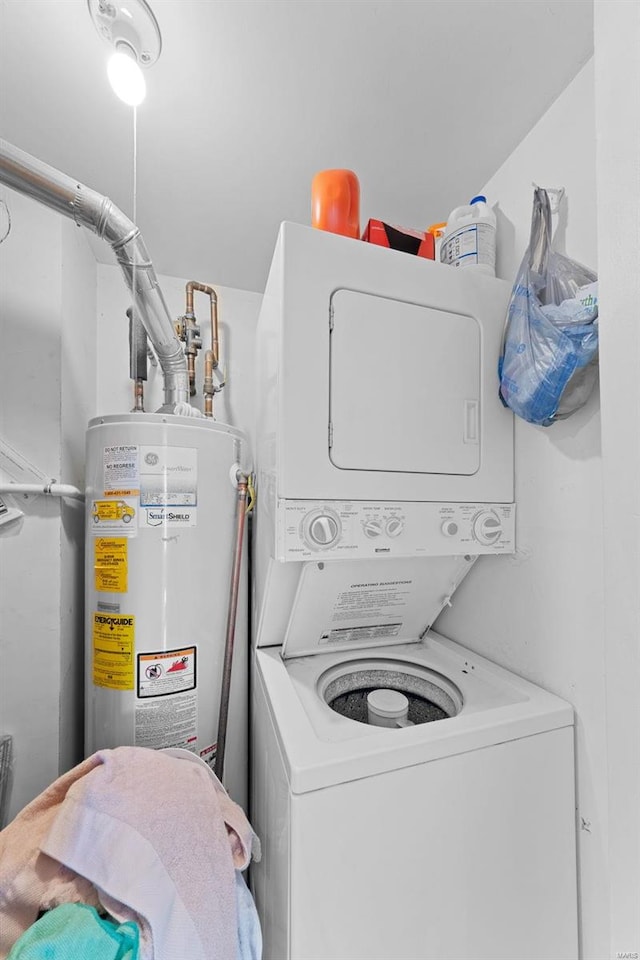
[{"x": 356, "y": 529}]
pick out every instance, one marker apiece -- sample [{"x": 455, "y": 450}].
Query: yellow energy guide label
[
  {"x": 110, "y": 564},
  {"x": 113, "y": 651}
]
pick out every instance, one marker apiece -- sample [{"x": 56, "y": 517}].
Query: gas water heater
[{"x": 161, "y": 497}]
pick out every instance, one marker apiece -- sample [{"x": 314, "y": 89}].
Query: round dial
[
  {"x": 394, "y": 527},
  {"x": 487, "y": 528},
  {"x": 322, "y": 529},
  {"x": 372, "y": 528},
  {"x": 449, "y": 528}
]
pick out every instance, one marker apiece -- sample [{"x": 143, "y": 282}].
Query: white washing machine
[{"x": 413, "y": 800}]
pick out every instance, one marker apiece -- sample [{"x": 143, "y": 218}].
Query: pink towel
[
  {"x": 30, "y": 881},
  {"x": 159, "y": 838},
  {"x": 151, "y": 837}
]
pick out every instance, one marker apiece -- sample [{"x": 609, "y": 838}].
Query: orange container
[{"x": 335, "y": 202}]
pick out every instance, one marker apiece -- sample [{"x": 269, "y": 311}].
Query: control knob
[
  {"x": 487, "y": 528},
  {"x": 449, "y": 528},
  {"x": 394, "y": 527},
  {"x": 322, "y": 529},
  {"x": 372, "y": 528}
]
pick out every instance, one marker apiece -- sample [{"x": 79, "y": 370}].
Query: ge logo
[{"x": 151, "y": 459}]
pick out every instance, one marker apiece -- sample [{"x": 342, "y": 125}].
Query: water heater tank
[{"x": 160, "y": 540}]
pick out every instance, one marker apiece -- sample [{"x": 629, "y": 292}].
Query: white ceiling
[{"x": 424, "y": 99}]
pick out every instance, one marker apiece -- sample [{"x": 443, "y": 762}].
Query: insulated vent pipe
[{"x": 56, "y": 190}]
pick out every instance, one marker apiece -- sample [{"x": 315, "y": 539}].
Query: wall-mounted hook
[{"x": 555, "y": 195}]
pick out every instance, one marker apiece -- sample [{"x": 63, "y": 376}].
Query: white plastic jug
[{"x": 469, "y": 239}]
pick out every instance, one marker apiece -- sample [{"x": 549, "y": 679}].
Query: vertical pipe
[{"x": 231, "y": 627}]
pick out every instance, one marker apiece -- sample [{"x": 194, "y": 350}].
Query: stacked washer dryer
[{"x": 414, "y": 800}]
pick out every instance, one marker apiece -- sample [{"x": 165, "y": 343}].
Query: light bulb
[{"x": 126, "y": 78}]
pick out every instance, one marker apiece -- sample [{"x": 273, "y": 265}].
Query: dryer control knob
[
  {"x": 395, "y": 526},
  {"x": 487, "y": 528},
  {"x": 372, "y": 528},
  {"x": 323, "y": 530}
]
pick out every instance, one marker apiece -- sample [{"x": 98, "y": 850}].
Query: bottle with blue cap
[{"x": 469, "y": 239}]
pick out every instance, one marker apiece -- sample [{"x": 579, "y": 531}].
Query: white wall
[
  {"x": 237, "y": 317},
  {"x": 617, "y": 26},
  {"x": 540, "y": 613},
  {"x": 43, "y": 266}
]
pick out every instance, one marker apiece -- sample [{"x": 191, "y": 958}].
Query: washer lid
[{"x": 351, "y": 604}]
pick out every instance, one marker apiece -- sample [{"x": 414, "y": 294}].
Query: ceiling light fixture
[{"x": 130, "y": 27}]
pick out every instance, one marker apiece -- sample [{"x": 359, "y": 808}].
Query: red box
[{"x": 400, "y": 238}]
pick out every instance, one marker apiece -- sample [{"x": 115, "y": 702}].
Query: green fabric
[{"x": 74, "y": 931}]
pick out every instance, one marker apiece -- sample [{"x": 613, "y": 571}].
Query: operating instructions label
[
  {"x": 371, "y": 610},
  {"x": 169, "y": 722},
  {"x": 379, "y": 599}
]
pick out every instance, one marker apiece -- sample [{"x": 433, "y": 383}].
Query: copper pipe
[
  {"x": 231, "y": 627},
  {"x": 193, "y": 286},
  {"x": 207, "y": 388},
  {"x": 191, "y": 367}
]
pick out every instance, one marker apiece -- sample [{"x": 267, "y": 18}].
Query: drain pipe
[{"x": 89, "y": 209}]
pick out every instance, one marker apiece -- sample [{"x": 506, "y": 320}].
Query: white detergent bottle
[{"x": 469, "y": 239}]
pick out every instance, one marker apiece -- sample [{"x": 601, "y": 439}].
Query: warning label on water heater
[
  {"x": 167, "y": 704},
  {"x": 167, "y": 671}
]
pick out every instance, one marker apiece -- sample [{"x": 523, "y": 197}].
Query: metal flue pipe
[{"x": 89, "y": 209}]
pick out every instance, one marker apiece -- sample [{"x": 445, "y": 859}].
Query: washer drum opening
[{"x": 430, "y": 696}]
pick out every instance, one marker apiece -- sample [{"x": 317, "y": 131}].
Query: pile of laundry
[{"x": 135, "y": 854}]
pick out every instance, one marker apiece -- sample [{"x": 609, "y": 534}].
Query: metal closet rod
[{"x": 50, "y": 489}]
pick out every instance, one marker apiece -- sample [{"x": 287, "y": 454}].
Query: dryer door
[{"x": 404, "y": 387}]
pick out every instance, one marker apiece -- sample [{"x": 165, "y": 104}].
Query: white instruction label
[
  {"x": 380, "y": 631},
  {"x": 171, "y": 722},
  {"x": 168, "y": 486},
  {"x": 382, "y": 603},
  {"x": 379, "y": 600},
  {"x": 121, "y": 468}
]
